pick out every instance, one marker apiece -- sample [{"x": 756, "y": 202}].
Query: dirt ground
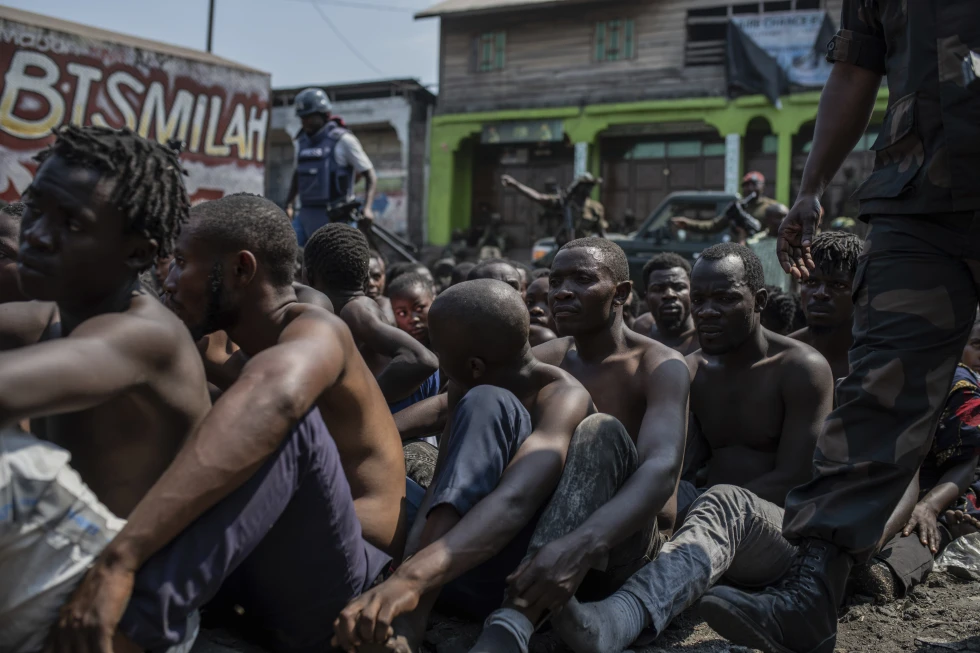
[{"x": 939, "y": 616}]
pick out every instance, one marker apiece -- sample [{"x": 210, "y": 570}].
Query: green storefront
[{"x": 455, "y": 139}]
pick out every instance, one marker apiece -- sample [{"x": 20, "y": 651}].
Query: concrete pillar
[
  {"x": 733, "y": 162},
  {"x": 581, "y": 158}
]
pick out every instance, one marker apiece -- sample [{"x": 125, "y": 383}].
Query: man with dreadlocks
[
  {"x": 826, "y": 298},
  {"x": 114, "y": 386},
  {"x": 267, "y": 497}
]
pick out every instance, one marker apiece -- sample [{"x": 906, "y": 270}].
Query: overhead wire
[
  {"x": 343, "y": 39},
  {"x": 372, "y": 6}
]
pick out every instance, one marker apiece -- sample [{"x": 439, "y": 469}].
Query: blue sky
[{"x": 287, "y": 38}]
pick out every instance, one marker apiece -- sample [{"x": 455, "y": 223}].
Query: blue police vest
[{"x": 321, "y": 181}]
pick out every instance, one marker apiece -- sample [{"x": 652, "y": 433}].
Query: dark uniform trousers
[
  {"x": 915, "y": 289},
  {"x": 915, "y": 298}
]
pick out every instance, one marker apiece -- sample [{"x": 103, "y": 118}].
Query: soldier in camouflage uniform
[
  {"x": 915, "y": 294},
  {"x": 766, "y": 213},
  {"x": 588, "y": 215}
]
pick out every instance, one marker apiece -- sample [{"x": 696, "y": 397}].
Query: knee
[
  {"x": 601, "y": 432},
  {"x": 723, "y": 498},
  {"x": 602, "y": 440}
]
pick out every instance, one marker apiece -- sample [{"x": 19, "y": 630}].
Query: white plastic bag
[{"x": 962, "y": 557}]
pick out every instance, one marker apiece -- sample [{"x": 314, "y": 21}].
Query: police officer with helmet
[{"x": 328, "y": 160}]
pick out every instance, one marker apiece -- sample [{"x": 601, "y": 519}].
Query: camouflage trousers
[{"x": 915, "y": 298}]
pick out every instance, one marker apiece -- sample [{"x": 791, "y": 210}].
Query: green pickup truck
[{"x": 655, "y": 234}]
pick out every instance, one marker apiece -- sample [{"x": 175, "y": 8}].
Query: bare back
[
  {"x": 123, "y": 444},
  {"x": 376, "y": 361},
  {"x": 361, "y": 424}
]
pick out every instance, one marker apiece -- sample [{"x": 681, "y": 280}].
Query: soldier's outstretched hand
[{"x": 795, "y": 235}]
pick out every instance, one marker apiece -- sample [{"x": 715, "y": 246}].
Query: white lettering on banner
[
  {"x": 17, "y": 81},
  {"x": 85, "y": 76},
  {"x": 179, "y": 120},
  {"x": 256, "y": 132},
  {"x": 210, "y": 147},
  {"x": 50, "y": 78},
  {"x": 237, "y": 133},
  {"x": 117, "y": 79},
  {"x": 200, "y": 110}
]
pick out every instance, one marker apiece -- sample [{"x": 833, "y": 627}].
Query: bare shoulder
[
  {"x": 799, "y": 362},
  {"x": 653, "y": 352},
  {"x": 314, "y": 318},
  {"x": 644, "y": 323},
  {"x": 308, "y": 295},
  {"x": 25, "y": 323},
  {"x": 147, "y": 329},
  {"x": 309, "y": 322},
  {"x": 560, "y": 385},
  {"x": 553, "y": 352},
  {"x": 361, "y": 308},
  {"x": 803, "y": 335},
  {"x": 694, "y": 362}
]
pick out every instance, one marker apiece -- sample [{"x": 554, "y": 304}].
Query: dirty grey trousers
[
  {"x": 601, "y": 458},
  {"x": 728, "y": 532}
]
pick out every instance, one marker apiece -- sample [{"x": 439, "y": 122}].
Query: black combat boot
[{"x": 797, "y": 615}]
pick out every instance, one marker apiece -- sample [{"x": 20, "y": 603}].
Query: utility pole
[{"x": 210, "y": 23}]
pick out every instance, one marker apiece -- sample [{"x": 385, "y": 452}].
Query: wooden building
[{"x": 634, "y": 91}]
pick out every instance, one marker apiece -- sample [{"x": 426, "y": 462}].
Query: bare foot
[{"x": 960, "y": 523}]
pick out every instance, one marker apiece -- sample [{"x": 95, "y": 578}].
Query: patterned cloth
[{"x": 958, "y": 436}]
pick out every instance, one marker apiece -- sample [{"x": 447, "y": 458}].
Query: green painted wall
[{"x": 451, "y": 178}]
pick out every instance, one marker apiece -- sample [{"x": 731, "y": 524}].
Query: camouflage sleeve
[
  {"x": 861, "y": 39},
  {"x": 712, "y": 226}
]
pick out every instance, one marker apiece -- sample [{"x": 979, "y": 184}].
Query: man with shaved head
[{"x": 511, "y": 419}]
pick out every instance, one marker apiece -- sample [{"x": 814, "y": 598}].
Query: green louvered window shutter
[
  {"x": 600, "y": 42},
  {"x": 615, "y": 40}
]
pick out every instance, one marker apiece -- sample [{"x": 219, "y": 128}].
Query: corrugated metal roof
[
  {"x": 448, "y": 7},
  {"x": 94, "y": 33}
]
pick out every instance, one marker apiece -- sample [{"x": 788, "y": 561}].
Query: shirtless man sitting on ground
[
  {"x": 260, "y": 501},
  {"x": 826, "y": 298},
  {"x": 114, "y": 386},
  {"x": 760, "y": 400},
  {"x": 638, "y": 381},
  {"x": 336, "y": 262},
  {"x": 511, "y": 420},
  {"x": 668, "y": 281},
  {"x": 641, "y": 387}
]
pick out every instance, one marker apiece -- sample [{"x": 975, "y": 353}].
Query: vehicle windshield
[{"x": 705, "y": 209}]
